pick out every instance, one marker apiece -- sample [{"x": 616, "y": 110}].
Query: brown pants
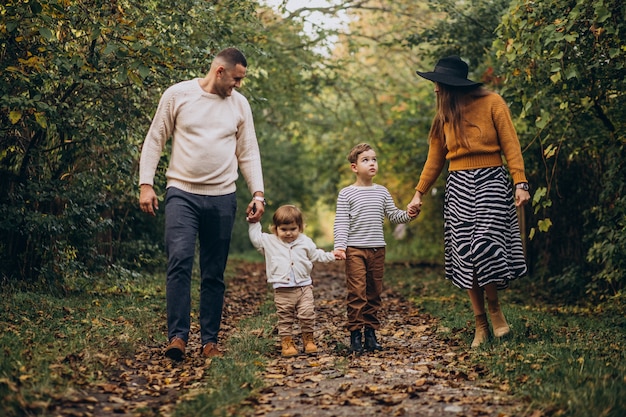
[
  {"x": 294, "y": 303},
  {"x": 364, "y": 284}
]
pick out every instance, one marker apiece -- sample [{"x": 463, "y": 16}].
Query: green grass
[
  {"x": 51, "y": 344},
  {"x": 564, "y": 360},
  {"x": 567, "y": 360},
  {"x": 234, "y": 377}
]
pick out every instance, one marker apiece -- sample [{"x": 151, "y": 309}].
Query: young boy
[
  {"x": 289, "y": 257},
  {"x": 359, "y": 239}
]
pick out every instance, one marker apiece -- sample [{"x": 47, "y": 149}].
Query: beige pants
[{"x": 294, "y": 303}]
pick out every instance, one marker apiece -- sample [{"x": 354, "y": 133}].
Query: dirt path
[{"x": 416, "y": 375}]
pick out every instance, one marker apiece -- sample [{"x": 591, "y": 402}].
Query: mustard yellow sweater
[{"x": 490, "y": 135}]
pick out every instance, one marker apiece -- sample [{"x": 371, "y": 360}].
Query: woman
[{"x": 482, "y": 243}]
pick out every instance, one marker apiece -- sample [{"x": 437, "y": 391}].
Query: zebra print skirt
[{"x": 481, "y": 232}]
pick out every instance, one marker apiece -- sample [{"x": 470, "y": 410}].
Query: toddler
[{"x": 289, "y": 256}]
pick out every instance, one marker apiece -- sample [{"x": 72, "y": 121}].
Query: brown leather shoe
[
  {"x": 210, "y": 350},
  {"x": 176, "y": 349}
]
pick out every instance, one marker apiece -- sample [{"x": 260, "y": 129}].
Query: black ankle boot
[
  {"x": 370, "y": 340},
  {"x": 356, "y": 342}
]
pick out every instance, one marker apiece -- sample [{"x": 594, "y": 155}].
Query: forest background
[{"x": 81, "y": 81}]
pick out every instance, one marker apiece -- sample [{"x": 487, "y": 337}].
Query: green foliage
[
  {"x": 79, "y": 82},
  {"x": 608, "y": 250},
  {"x": 560, "y": 66},
  {"x": 564, "y": 67},
  {"x": 282, "y": 76},
  {"x": 367, "y": 91},
  {"x": 465, "y": 29}
]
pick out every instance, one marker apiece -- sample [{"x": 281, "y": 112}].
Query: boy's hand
[{"x": 340, "y": 254}]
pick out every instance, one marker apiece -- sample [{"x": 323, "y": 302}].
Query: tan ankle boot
[
  {"x": 482, "y": 330},
  {"x": 309, "y": 344},
  {"x": 288, "y": 347},
  {"x": 500, "y": 326}
]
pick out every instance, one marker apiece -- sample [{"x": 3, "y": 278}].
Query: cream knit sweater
[{"x": 211, "y": 138}]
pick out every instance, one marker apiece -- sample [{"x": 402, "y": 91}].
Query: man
[{"x": 213, "y": 136}]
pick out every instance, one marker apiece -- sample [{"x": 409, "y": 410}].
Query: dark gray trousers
[{"x": 208, "y": 220}]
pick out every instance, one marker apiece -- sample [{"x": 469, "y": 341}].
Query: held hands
[
  {"x": 412, "y": 211},
  {"x": 254, "y": 211},
  {"x": 340, "y": 254},
  {"x": 415, "y": 206}
]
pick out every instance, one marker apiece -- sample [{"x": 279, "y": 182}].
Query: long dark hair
[{"x": 451, "y": 102}]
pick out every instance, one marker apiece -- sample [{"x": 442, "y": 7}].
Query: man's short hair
[{"x": 232, "y": 56}]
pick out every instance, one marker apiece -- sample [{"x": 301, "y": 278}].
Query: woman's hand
[
  {"x": 415, "y": 206},
  {"x": 521, "y": 197}
]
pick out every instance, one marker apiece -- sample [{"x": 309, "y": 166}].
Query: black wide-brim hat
[{"x": 450, "y": 70}]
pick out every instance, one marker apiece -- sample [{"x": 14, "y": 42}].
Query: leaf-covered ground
[{"x": 417, "y": 374}]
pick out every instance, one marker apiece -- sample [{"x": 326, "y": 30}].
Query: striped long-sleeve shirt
[{"x": 360, "y": 215}]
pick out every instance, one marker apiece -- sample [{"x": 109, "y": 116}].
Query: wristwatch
[
  {"x": 522, "y": 185},
  {"x": 260, "y": 198}
]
